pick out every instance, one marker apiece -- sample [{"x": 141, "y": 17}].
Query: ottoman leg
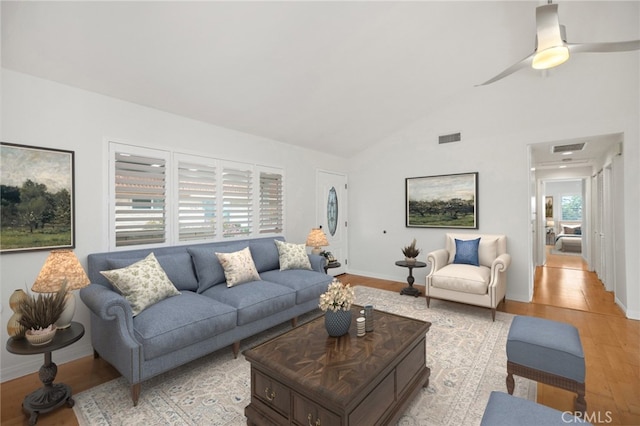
[
  {"x": 510, "y": 383},
  {"x": 581, "y": 403}
]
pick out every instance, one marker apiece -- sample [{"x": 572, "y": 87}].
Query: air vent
[
  {"x": 453, "y": 137},
  {"x": 569, "y": 148}
]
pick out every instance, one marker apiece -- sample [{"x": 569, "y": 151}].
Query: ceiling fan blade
[
  {"x": 548, "y": 29},
  {"x": 526, "y": 62},
  {"x": 615, "y": 46}
]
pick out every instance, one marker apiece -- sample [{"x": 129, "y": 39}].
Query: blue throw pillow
[{"x": 467, "y": 252}]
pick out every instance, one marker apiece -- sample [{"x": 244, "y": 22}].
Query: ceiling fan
[{"x": 552, "y": 48}]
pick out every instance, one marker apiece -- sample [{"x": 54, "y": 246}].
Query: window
[
  {"x": 237, "y": 201},
  {"x": 571, "y": 206},
  {"x": 271, "y": 203},
  {"x": 139, "y": 188},
  {"x": 161, "y": 197},
  {"x": 196, "y": 199}
]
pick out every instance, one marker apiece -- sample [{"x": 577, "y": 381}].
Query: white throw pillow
[
  {"x": 238, "y": 267},
  {"x": 142, "y": 283},
  {"x": 292, "y": 256}
]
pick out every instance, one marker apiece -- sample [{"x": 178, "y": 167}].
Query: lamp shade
[
  {"x": 317, "y": 238},
  {"x": 62, "y": 266}
]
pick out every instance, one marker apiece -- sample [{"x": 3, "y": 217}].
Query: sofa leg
[
  {"x": 294, "y": 322},
  {"x": 135, "y": 393},
  {"x": 428, "y": 300},
  {"x": 96, "y": 355},
  {"x": 236, "y": 348},
  {"x": 493, "y": 314}
]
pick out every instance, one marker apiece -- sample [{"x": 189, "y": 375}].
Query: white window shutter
[
  {"x": 139, "y": 199},
  {"x": 237, "y": 201},
  {"x": 271, "y": 203},
  {"x": 197, "y": 201}
]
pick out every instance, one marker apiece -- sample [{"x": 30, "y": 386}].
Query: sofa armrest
[
  {"x": 317, "y": 262},
  {"x": 437, "y": 259},
  {"x": 108, "y": 305}
]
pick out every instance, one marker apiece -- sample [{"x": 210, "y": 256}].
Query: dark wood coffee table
[{"x": 305, "y": 377}]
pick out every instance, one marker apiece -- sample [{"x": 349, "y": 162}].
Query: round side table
[
  {"x": 50, "y": 396},
  {"x": 411, "y": 290}
]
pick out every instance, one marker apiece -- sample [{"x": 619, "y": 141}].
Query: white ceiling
[{"x": 334, "y": 76}]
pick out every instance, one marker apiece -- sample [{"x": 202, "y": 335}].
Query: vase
[
  {"x": 410, "y": 260},
  {"x": 337, "y": 323},
  {"x": 16, "y": 298},
  {"x": 15, "y": 330}
]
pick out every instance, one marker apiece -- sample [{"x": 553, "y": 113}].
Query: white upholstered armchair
[{"x": 459, "y": 279}]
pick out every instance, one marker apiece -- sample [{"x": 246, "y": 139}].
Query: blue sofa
[{"x": 205, "y": 317}]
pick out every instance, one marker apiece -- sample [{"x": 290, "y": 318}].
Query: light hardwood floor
[{"x": 564, "y": 291}]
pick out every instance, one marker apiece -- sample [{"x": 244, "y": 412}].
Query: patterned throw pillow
[
  {"x": 238, "y": 267},
  {"x": 292, "y": 256},
  {"x": 142, "y": 284}
]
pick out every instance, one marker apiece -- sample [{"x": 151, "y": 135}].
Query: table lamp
[
  {"x": 62, "y": 266},
  {"x": 317, "y": 239}
]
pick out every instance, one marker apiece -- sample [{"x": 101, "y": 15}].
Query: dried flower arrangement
[
  {"x": 43, "y": 310},
  {"x": 411, "y": 251}
]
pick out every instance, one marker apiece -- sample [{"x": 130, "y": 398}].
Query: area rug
[{"x": 465, "y": 351}]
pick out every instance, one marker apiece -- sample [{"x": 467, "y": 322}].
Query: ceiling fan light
[{"x": 551, "y": 57}]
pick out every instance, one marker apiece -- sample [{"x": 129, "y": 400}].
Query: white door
[{"x": 331, "y": 202}]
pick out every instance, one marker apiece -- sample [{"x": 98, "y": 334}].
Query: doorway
[
  {"x": 593, "y": 162},
  {"x": 331, "y": 215}
]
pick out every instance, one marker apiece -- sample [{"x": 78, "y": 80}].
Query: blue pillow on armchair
[{"x": 467, "y": 252}]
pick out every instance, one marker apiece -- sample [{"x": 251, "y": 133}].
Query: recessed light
[
  {"x": 567, "y": 153},
  {"x": 563, "y": 167}
]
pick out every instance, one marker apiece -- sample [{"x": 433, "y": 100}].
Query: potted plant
[
  {"x": 411, "y": 252},
  {"x": 39, "y": 315},
  {"x": 336, "y": 303}
]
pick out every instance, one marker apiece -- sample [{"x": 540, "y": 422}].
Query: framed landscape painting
[
  {"x": 37, "y": 188},
  {"x": 445, "y": 201}
]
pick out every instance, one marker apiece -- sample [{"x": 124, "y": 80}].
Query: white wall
[
  {"x": 46, "y": 114},
  {"x": 584, "y": 97}
]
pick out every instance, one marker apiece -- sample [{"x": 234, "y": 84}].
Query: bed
[{"x": 569, "y": 239}]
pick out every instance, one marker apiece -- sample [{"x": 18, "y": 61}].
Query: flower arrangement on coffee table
[{"x": 336, "y": 303}]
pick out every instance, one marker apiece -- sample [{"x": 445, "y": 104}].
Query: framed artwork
[
  {"x": 38, "y": 206},
  {"x": 445, "y": 201},
  {"x": 548, "y": 207}
]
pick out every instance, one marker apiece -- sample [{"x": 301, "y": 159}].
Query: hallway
[{"x": 565, "y": 282}]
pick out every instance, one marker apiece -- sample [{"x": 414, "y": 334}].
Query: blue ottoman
[
  {"x": 548, "y": 352},
  {"x": 507, "y": 410}
]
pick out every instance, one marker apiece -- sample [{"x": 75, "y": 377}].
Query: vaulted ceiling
[{"x": 335, "y": 76}]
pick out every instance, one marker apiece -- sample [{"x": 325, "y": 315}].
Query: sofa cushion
[
  {"x": 467, "y": 252},
  {"x": 265, "y": 254},
  {"x": 308, "y": 285},
  {"x": 238, "y": 267},
  {"x": 142, "y": 283},
  {"x": 178, "y": 322},
  {"x": 507, "y": 410},
  {"x": 465, "y": 278},
  {"x": 255, "y": 300},
  {"x": 178, "y": 268},
  {"x": 292, "y": 256},
  {"x": 208, "y": 268}
]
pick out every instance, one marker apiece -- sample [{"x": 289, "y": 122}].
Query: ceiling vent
[
  {"x": 569, "y": 148},
  {"x": 453, "y": 137}
]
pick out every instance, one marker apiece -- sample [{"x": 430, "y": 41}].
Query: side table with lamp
[{"x": 52, "y": 309}]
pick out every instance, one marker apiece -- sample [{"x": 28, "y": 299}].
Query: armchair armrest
[
  {"x": 501, "y": 263},
  {"x": 437, "y": 259}
]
